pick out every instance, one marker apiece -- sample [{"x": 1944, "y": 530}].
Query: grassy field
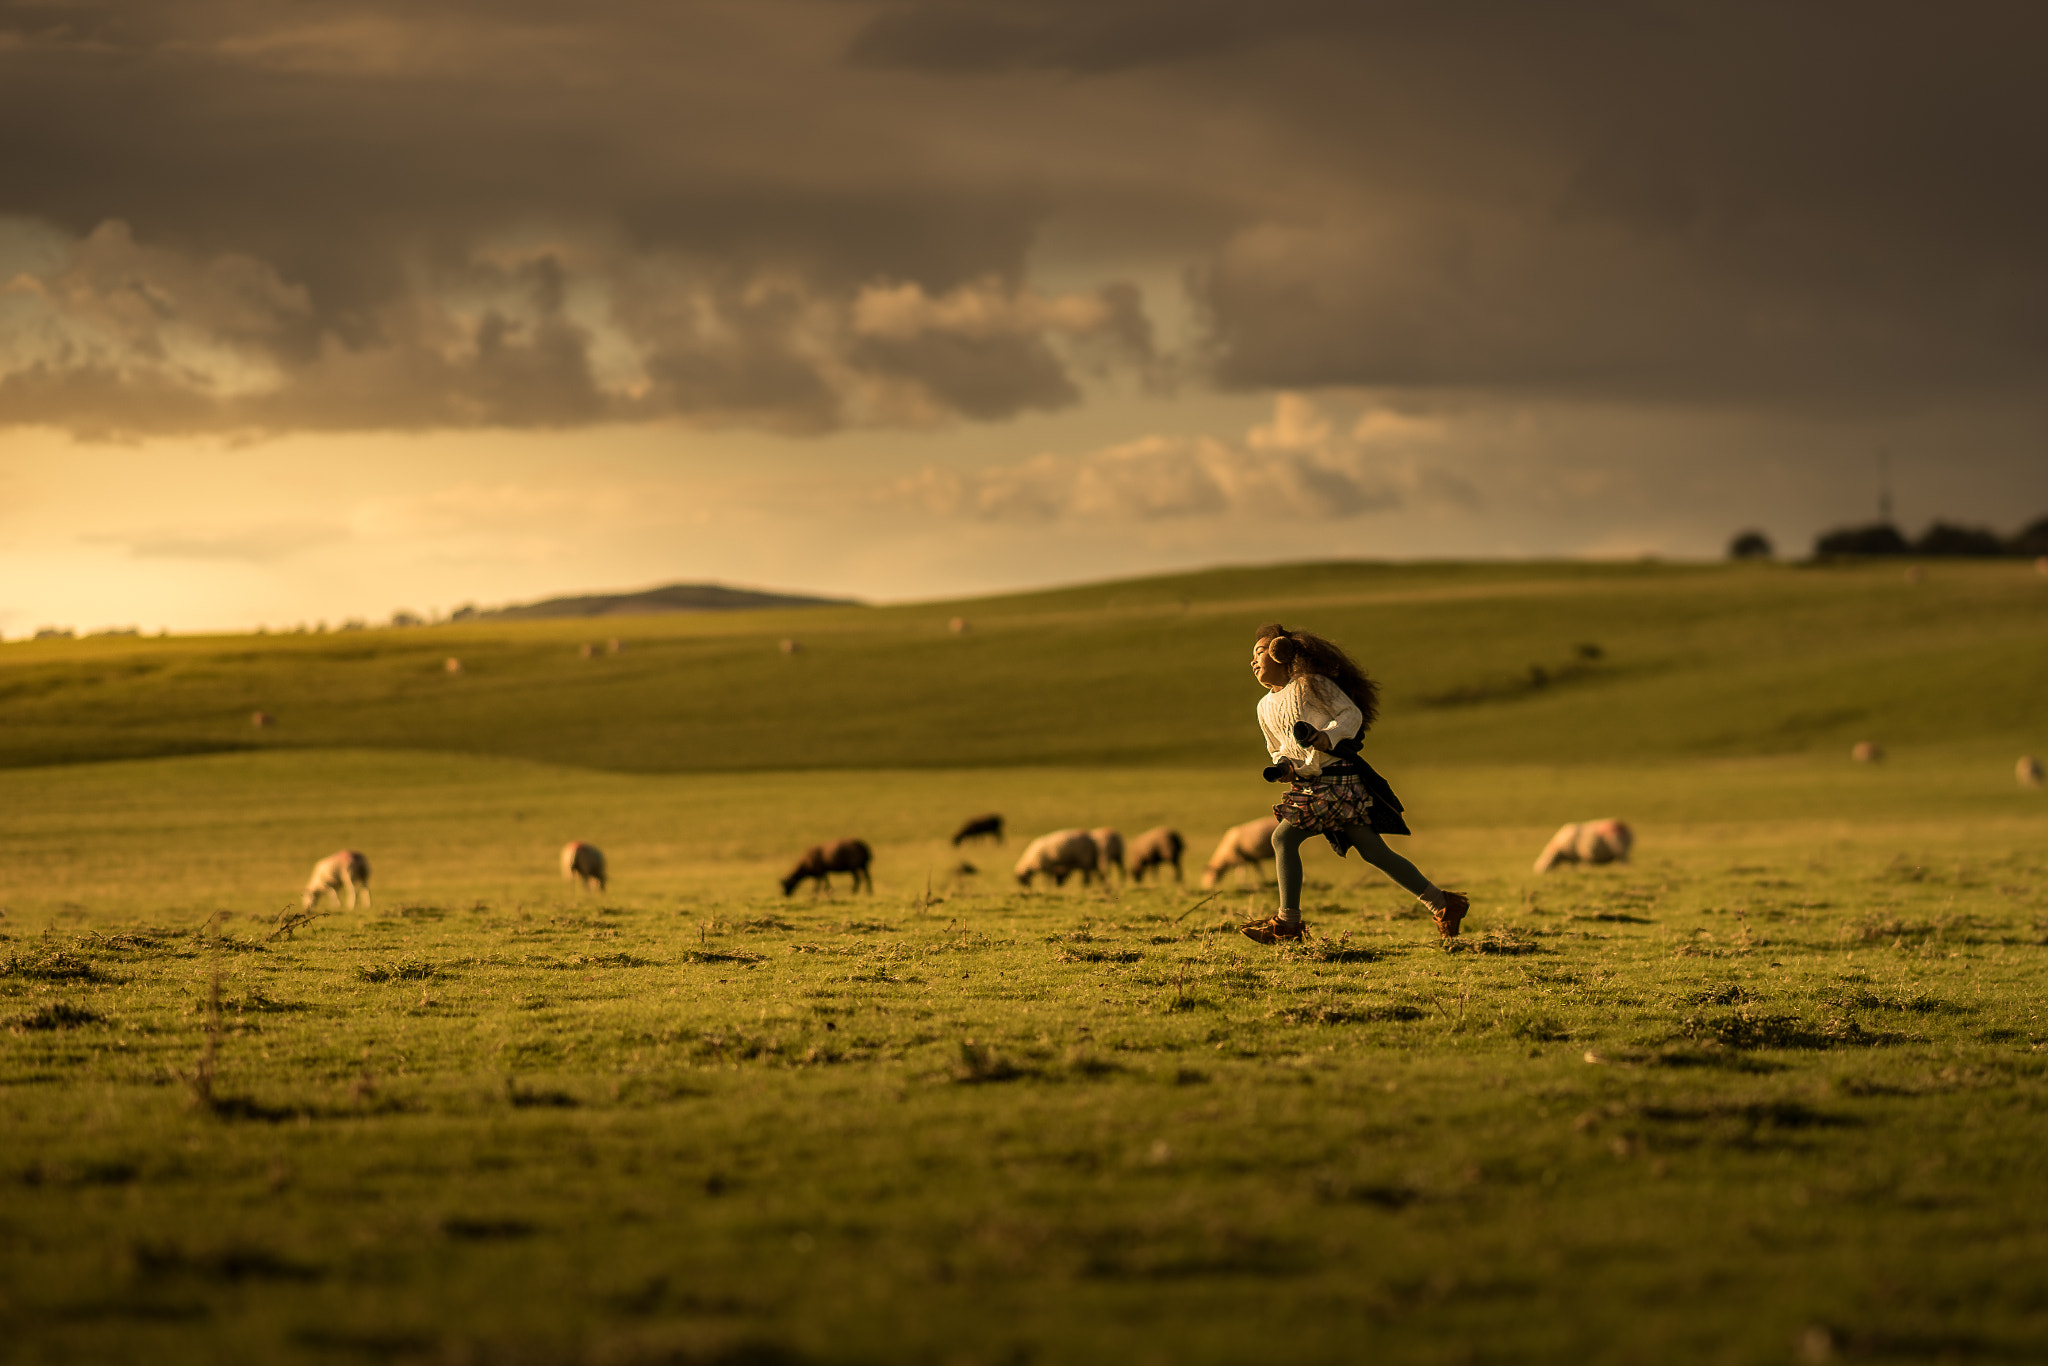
[
  {"x": 1773, "y": 1092},
  {"x": 1693, "y": 660}
]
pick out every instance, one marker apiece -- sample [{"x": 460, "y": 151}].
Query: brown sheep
[
  {"x": 1156, "y": 848},
  {"x": 1242, "y": 846},
  {"x": 2027, "y": 771},
  {"x": 583, "y": 864},
  {"x": 820, "y": 861},
  {"x": 1059, "y": 855},
  {"x": 1867, "y": 752},
  {"x": 1587, "y": 842},
  {"x": 345, "y": 869}
]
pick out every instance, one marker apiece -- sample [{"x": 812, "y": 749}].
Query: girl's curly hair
[{"x": 1305, "y": 653}]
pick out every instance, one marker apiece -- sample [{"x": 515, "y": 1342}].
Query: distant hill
[
  {"x": 1486, "y": 664},
  {"x": 674, "y": 597}
]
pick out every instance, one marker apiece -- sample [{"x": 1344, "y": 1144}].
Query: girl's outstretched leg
[{"x": 1447, "y": 908}]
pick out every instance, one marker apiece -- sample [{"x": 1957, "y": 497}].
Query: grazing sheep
[
  {"x": 262, "y": 719},
  {"x": 588, "y": 650},
  {"x": 1242, "y": 846},
  {"x": 452, "y": 664},
  {"x": 1109, "y": 851},
  {"x": 820, "y": 861},
  {"x": 1867, "y": 752},
  {"x": 1156, "y": 848},
  {"x": 583, "y": 864},
  {"x": 792, "y": 646},
  {"x": 1587, "y": 842},
  {"x": 959, "y": 626},
  {"x": 345, "y": 869},
  {"x": 2028, "y": 771},
  {"x": 1058, "y": 855},
  {"x": 980, "y": 827}
]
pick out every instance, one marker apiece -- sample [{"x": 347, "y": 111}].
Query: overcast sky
[{"x": 319, "y": 310}]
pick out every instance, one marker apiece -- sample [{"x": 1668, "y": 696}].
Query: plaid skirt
[{"x": 1325, "y": 806}]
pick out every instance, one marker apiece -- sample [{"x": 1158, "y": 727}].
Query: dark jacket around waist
[{"x": 1386, "y": 807}]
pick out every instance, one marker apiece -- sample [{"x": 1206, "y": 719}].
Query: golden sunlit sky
[{"x": 322, "y": 310}]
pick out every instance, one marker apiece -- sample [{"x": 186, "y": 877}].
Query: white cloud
[{"x": 1299, "y": 465}]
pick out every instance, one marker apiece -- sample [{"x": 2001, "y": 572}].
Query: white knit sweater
[{"x": 1316, "y": 700}]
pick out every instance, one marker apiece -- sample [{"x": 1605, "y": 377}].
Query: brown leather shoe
[
  {"x": 1273, "y": 929},
  {"x": 1452, "y": 915}
]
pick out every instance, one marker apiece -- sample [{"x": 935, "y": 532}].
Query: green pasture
[
  {"x": 1692, "y": 660},
  {"x": 1774, "y": 1091}
]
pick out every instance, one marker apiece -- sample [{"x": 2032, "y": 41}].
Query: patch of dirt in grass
[
  {"x": 626, "y": 960},
  {"x": 56, "y": 1015},
  {"x": 1727, "y": 994},
  {"x": 470, "y": 1229},
  {"x": 45, "y": 963},
  {"x": 1322, "y": 949},
  {"x": 1748, "y": 1028},
  {"x": 137, "y": 942},
  {"x": 404, "y": 970},
  {"x": 233, "y": 1264},
  {"x": 1101, "y": 956},
  {"x": 107, "y": 1172},
  {"x": 1341, "y": 1190},
  {"x": 720, "y": 956},
  {"x": 1536, "y": 1028},
  {"x": 1501, "y": 939},
  {"x": 1630, "y": 1128},
  {"x": 539, "y": 1098},
  {"x": 1915, "y": 1002},
  {"x": 980, "y": 1063},
  {"x": 1899, "y": 932}
]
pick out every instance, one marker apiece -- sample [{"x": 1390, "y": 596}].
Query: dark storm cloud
[
  {"x": 802, "y": 215},
  {"x": 1759, "y": 201}
]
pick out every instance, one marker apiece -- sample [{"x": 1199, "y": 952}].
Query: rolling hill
[{"x": 1479, "y": 662}]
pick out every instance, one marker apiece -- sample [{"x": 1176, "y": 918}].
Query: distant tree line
[{"x": 1883, "y": 538}]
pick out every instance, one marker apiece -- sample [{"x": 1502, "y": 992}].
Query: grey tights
[{"x": 1287, "y": 863}]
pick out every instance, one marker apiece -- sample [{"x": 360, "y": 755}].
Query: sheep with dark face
[
  {"x": 1156, "y": 848},
  {"x": 1242, "y": 846},
  {"x": 1587, "y": 842},
  {"x": 583, "y": 864},
  {"x": 979, "y": 827},
  {"x": 1058, "y": 856},
  {"x": 820, "y": 861},
  {"x": 345, "y": 870},
  {"x": 1109, "y": 850}
]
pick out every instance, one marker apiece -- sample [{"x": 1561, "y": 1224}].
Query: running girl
[{"x": 1317, "y": 703}]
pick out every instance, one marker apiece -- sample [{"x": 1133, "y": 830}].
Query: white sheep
[
  {"x": 1058, "y": 855},
  {"x": 1605, "y": 841},
  {"x": 1242, "y": 846},
  {"x": 583, "y": 864},
  {"x": 347, "y": 869}
]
